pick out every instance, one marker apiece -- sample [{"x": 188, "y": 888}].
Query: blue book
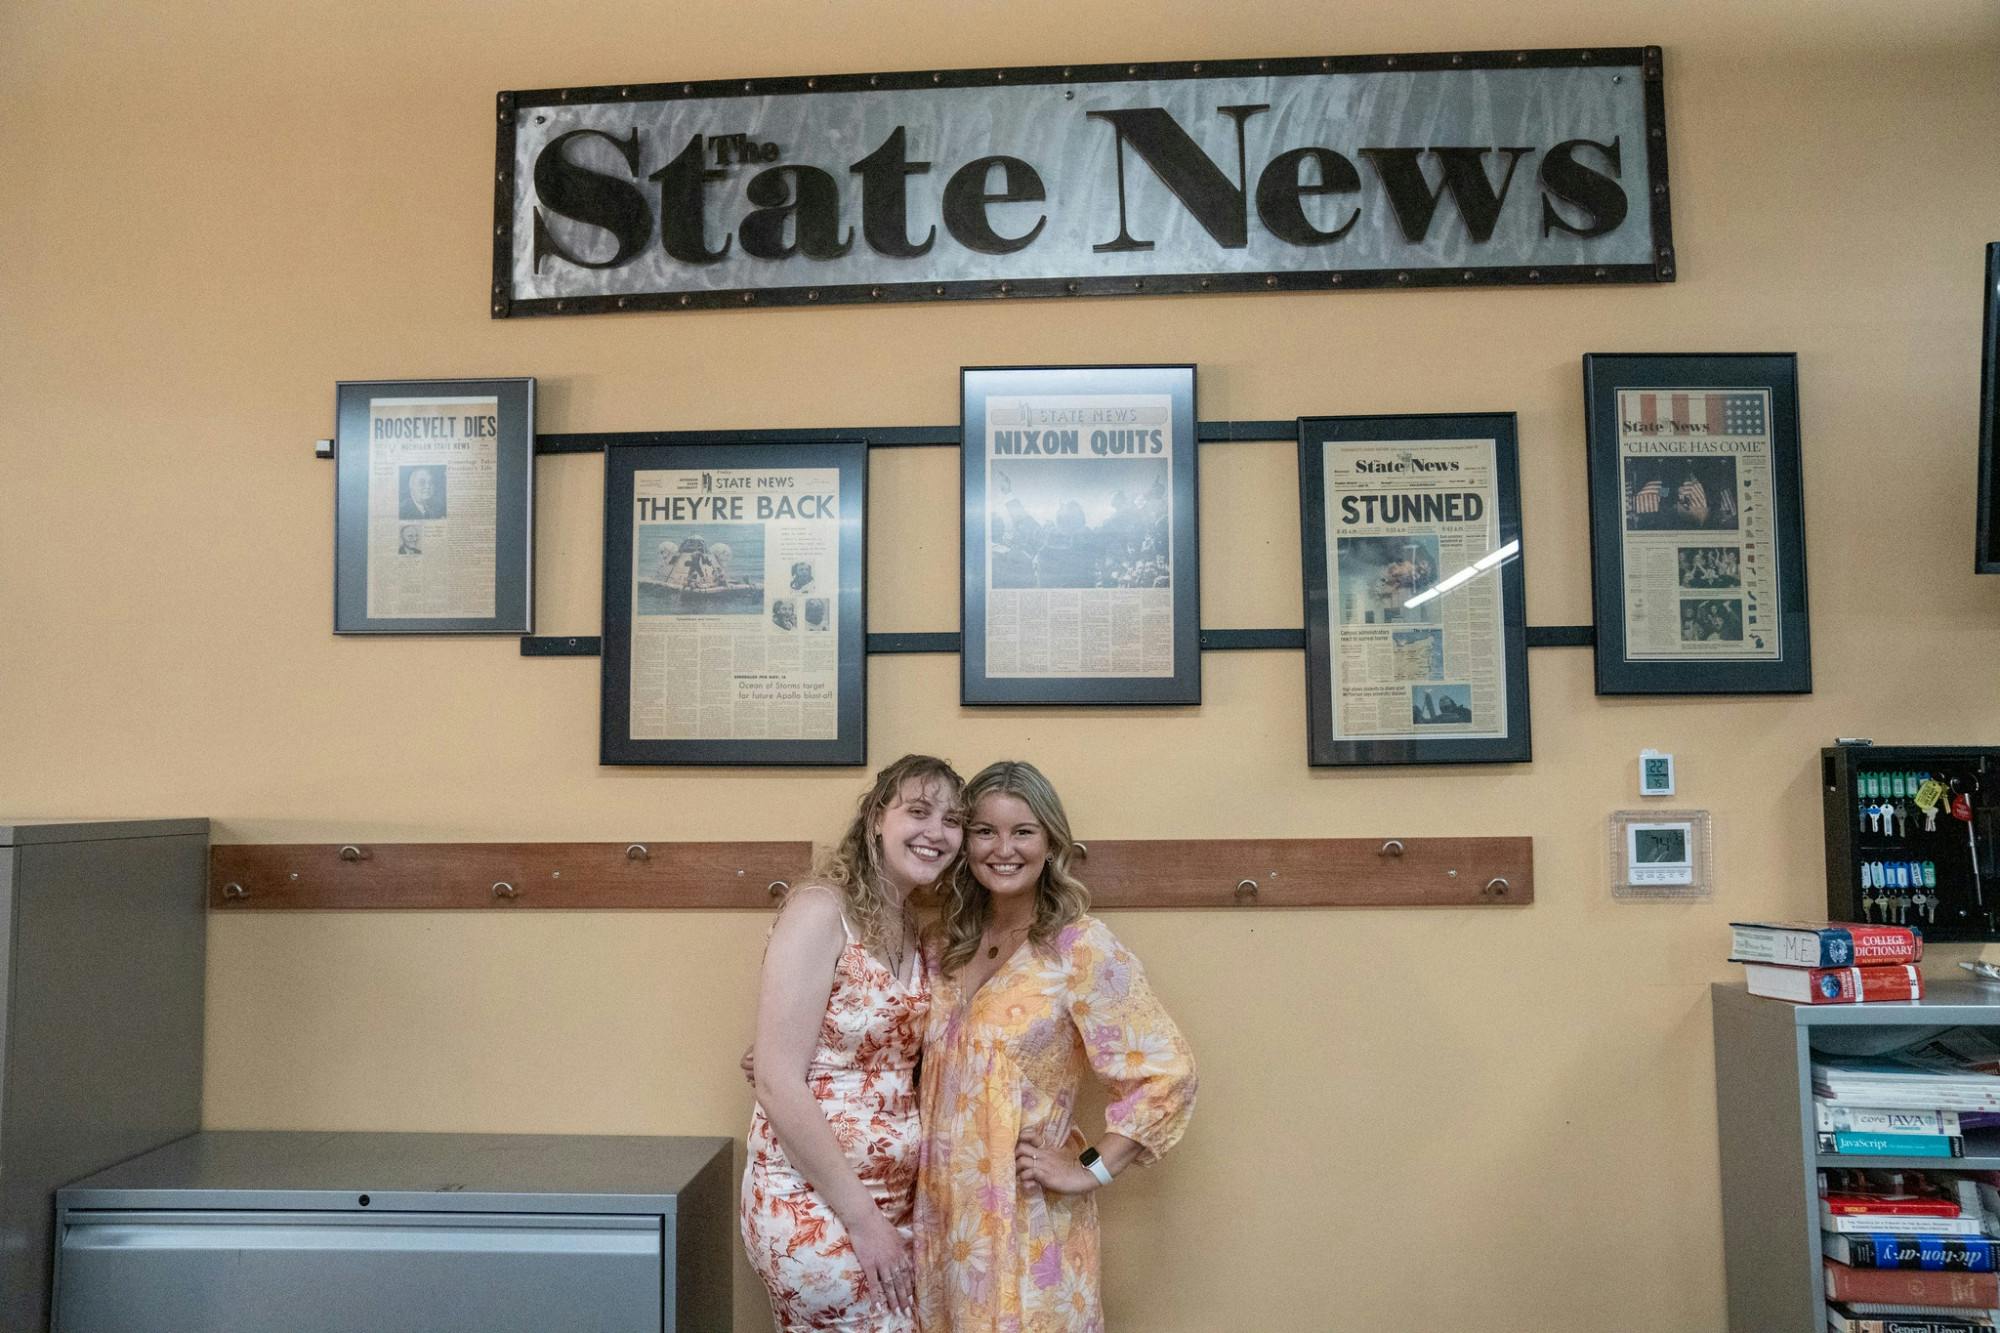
[
  {"x": 1862, "y": 1144},
  {"x": 1960, "y": 1254}
]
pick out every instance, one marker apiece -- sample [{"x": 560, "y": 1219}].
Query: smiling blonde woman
[{"x": 1029, "y": 994}]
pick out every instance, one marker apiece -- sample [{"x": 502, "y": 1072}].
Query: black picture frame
[
  {"x": 1694, "y": 412},
  {"x": 1986, "y": 559},
  {"x": 361, "y": 533},
  {"x": 1503, "y": 565},
  {"x": 979, "y": 385},
  {"x": 848, "y": 602}
]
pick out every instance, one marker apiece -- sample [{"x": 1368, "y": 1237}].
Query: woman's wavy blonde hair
[
  {"x": 853, "y": 866},
  {"x": 1060, "y": 897}
]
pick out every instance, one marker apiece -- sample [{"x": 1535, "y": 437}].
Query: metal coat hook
[
  {"x": 505, "y": 890},
  {"x": 352, "y": 853},
  {"x": 1497, "y": 887},
  {"x": 1246, "y": 890},
  {"x": 235, "y": 891},
  {"x": 637, "y": 852},
  {"x": 1393, "y": 847},
  {"x": 1082, "y": 849},
  {"x": 777, "y": 888}
]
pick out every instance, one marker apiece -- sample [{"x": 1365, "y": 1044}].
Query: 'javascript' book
[{"x": 1852, "y": 1144}]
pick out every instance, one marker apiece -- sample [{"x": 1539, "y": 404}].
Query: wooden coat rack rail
[{"x": 1205, "y": 872}]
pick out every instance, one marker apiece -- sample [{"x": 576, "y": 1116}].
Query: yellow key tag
[{"x": 1928, "y": 794}]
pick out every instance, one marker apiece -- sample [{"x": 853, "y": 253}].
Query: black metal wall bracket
[
  {"x": 557, "y": 645},
  {"x": 1212, "y": 640},
  {"x": 904, "y": 437}
]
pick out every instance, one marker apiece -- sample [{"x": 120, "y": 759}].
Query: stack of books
[
  {"x": 1828, "y": 962},
  {"x": 1907, "y": 1252},
  {"x": 1957, "y": 1070},
  {"x": 1889, "y": 1131},
  {"x": 1917, "y": 1102},
  {"x": 1910, "y": 1251}
]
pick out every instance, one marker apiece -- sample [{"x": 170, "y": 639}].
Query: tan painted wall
[{"x": 213, "y": 210}]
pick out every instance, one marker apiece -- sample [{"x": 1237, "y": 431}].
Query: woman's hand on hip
[{"x": 1055, "y": 1169}]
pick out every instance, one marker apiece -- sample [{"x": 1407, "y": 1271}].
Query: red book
[
  {"x": 1891, "y": 1286},
  {"x": 1834, "y": 985},
  {"x": 1888, "y": 1205}
]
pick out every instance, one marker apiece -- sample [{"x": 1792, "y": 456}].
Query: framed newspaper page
[
  {"x": 1416, "y": 641},
  {"x": 434, "y": 507},
  {"x": 1697, "y": 524},
  {"x": 734, "y": 616},
  {"x": 1082, "y": 571}
]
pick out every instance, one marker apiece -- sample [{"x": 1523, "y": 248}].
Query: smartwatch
[{"x": 1094, "y": 1164}]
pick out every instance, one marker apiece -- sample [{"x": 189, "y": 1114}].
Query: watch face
[{"x": 1088, "y": 1156}]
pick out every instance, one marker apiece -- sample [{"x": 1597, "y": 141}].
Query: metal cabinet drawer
[{"x": 243, "y": 1271}]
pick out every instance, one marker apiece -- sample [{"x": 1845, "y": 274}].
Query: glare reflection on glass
[{"x": 1466, "y": 575}]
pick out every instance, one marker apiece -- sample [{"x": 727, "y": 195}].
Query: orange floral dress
[
  {"x": 994, "y": 1256},
  {"x": 863, "y": 1073}
]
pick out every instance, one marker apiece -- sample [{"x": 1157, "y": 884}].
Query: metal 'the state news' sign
[{"x": 1265, "y": 175}]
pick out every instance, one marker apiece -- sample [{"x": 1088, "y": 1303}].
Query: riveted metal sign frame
[{"x": 522, "y": 230}]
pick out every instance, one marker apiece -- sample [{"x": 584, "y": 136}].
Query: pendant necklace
[
  {"x": 993, "y": 951},
  {"x": 895, "y": 960}
]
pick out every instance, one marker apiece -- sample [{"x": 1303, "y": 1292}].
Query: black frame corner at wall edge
[{"x": 1986, "y": 556}]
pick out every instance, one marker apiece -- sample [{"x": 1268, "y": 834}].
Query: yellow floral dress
[{"x": 994, "y": 1256}]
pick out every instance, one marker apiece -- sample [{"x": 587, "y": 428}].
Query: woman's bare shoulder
[{"x": 814, "y": 906}]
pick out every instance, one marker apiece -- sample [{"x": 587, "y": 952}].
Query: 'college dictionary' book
[{"x": 1823, "y": 943}]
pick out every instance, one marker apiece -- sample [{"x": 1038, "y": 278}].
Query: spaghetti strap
[{"x": 846, "y": 926}]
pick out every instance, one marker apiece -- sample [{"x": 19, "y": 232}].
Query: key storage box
[{"x": 1890, "y": 867}]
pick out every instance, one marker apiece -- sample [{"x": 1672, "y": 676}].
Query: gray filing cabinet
[
  {"x": 102, "y": 933},
  {"x": 238, "y": 1232},
  {"x": 1769, "y": 1145}
]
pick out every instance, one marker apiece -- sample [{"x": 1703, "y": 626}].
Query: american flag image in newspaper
[{"x": 1708, "y": 413}]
